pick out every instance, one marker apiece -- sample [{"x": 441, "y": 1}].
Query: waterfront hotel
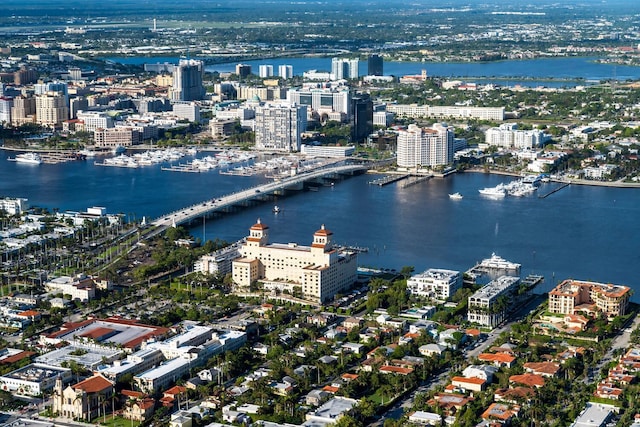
[
  {"x": 573, "y": 296},
  {"x": 319, "y": 271}
]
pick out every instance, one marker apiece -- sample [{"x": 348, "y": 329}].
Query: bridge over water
[{"x": 260, "y": 192}]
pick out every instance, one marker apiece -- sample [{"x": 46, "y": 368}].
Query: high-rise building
[
  {"x": 279, "y": 127},
  {"x": 187, "y": 81},
  {"x": 51, "y": 110},
  {"x": 375, "y": 65},
  {"x": 79, "y": 103},
  {"x": 23, "y": 110},
  {"x": 323, "y": 100},
  {"x": 243, "y": 70},
  {"x": 425, "y": 147},
  {"x": 344, "y": 68},
  {"x": 265, "y": 71},
  {"x": 25, "y": 76},
  {"x": 362, "y": 117},
  {"x": 285, "y": 71},
  {"x": 5, "y": 109}
]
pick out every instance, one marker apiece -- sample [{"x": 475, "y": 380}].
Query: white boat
[
  {"x": 493, "y": 192},
  {"x": 455, "y": 196},
  {"x": 276, "y": 209},
  {"x": 28, "y": 158},
  {"x": 498, "y": 263},
  {"x": 87, "y": 153}
]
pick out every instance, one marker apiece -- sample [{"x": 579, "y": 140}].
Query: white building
[
  {"x": 425, "y": 147},
  {"x": 218, "y": 262},
  {"x": 319, "y": 271},
  {"x": 488, "y": 306},
  {"x": 13, "y": 206},
  {"x": 447, "y": 112},
  {"x": 323, "y": 101},
  {"x": 382, "y": 118},
  {"x": 33, "y": 379},
  {"x": 425, "y": 418},
  {"x": 330, "y": 412},
  {"x": 265, "y": 71},
  {"x": 285, "y": 71},
  {"x": 435, "y": 283},
  {"x": 279, "y": 127},
  {"x": 507, "y": 135},
  {"x": 81, "y": 289},
  {"x": 5, "y": 109},
  {"x": 187, "y": 111},
  {"x": 95, "y": 120},
  {"x": 342, "y": 68},
  {"x": 328, "y": 151}
]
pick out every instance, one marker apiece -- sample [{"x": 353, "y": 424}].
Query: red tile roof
[
  {"x": 94, "y": 384},
  {"x": 531, "y": 380}
]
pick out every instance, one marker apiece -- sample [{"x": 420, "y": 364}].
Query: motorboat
[
  {"x": 276, "y": 209},
  {"x": 493, "y": 192},
  {"x": 455, "y": 196}
]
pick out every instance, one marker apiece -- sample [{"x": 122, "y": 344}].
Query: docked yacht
[
  {"x": 493, "y": 192},
  {"x": 28, "y": 158}
]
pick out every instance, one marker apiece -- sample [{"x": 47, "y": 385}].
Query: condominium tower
[
  {"x": 187, "y": 81},
  {"x": 279, "y": 127}
]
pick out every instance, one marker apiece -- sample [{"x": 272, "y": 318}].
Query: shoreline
[{"x": 611, "y": 184}]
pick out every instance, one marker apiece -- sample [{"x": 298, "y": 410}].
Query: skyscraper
[
  {"x": 243, "y": 70},
  {"x": 425, "y": 147},
  {"x": 362, "y": 117},
  {"x": 279, "y": 127},
  {"x": 375, "y": 65},
  {"x": 187, "y": 81},
  {"x": 265, "y": 71},
  {"x": 285, "y": 71},
  {"x": 344, "y": 68}
]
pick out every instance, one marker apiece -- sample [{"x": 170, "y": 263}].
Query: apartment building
[{"x": 572, "y": 296}]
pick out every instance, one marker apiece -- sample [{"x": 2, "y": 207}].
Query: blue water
[
  {"x": 555, "y": 68},
  {"x": 580, "y": 232}
]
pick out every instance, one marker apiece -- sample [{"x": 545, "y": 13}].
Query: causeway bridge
[{"x": 258, "y": 193}]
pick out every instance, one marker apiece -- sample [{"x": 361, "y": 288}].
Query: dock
[
  {"x": 388, "y": 179},
  {"x": 548, "y": 193},
  {"x": 180, "y": 169},
  {"x": 532, "y": 280},
  {"x": 418, "y": 180}
]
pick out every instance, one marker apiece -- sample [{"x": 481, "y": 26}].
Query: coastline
[{"x": 611, "y": 184}]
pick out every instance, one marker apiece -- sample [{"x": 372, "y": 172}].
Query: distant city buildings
[
  {"x": 265, "y": 71},
  {"x": 51, "y": 110},
  {"x": 285, "y": 71},
  {"x": 507, "y": 135},
  {"x": 425, "y": 147},
  {"x": 447, "y": 112},
  {"x": 361, "y": 117},
  {"x": 187, "y": 81},
  {"x": 344, "y": 68},
  {"x": 279, "y": 127},
  {"x": 375, "y": 65},
  {"x": 244, "y": 70},
  {"x": 591, "y": 298},
  {"x": 329, "y": 103}
]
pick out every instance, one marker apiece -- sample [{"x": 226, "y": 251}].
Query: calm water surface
[{"x": 580, "y": 232}]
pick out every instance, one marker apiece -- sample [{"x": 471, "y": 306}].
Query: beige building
[
  {"x": 23, "y": 110},
  {"x": 118, "y": 136},
  {"x": 51, "y": 110},
  {"x": 573, "y": 296},
  {"x": 85, "y": 400},
  {"x": 319, "y": 271}
]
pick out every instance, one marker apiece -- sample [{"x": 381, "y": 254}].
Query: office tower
[
  {"x": 243, "y": 70},
  {"x": 375, "y": 65},
  {"x": 265, "y": 71},
  {"x": 25, "y": 76},
  {"x": 362, "y": 117},
  {"x": 5, "y": 109},
  {"x": 77, "y": 104},
  {"x": 23, "y": 110},
  {"x": 51, "y": 110},
  {"x": 187, "y": 81},
  {"x": 425, "y": 147},
  {"x": 279, "y": 127},
  {"x": 344, "y": 68},
  {"x": 285, "y": 71},
  {"x": 323, "y": 100}
]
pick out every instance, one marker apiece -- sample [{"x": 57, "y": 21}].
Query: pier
[
  {"x": 388, "y": 179},
  {"x": 548, "y": 193},
  {"x": 417, "y": 180}
]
